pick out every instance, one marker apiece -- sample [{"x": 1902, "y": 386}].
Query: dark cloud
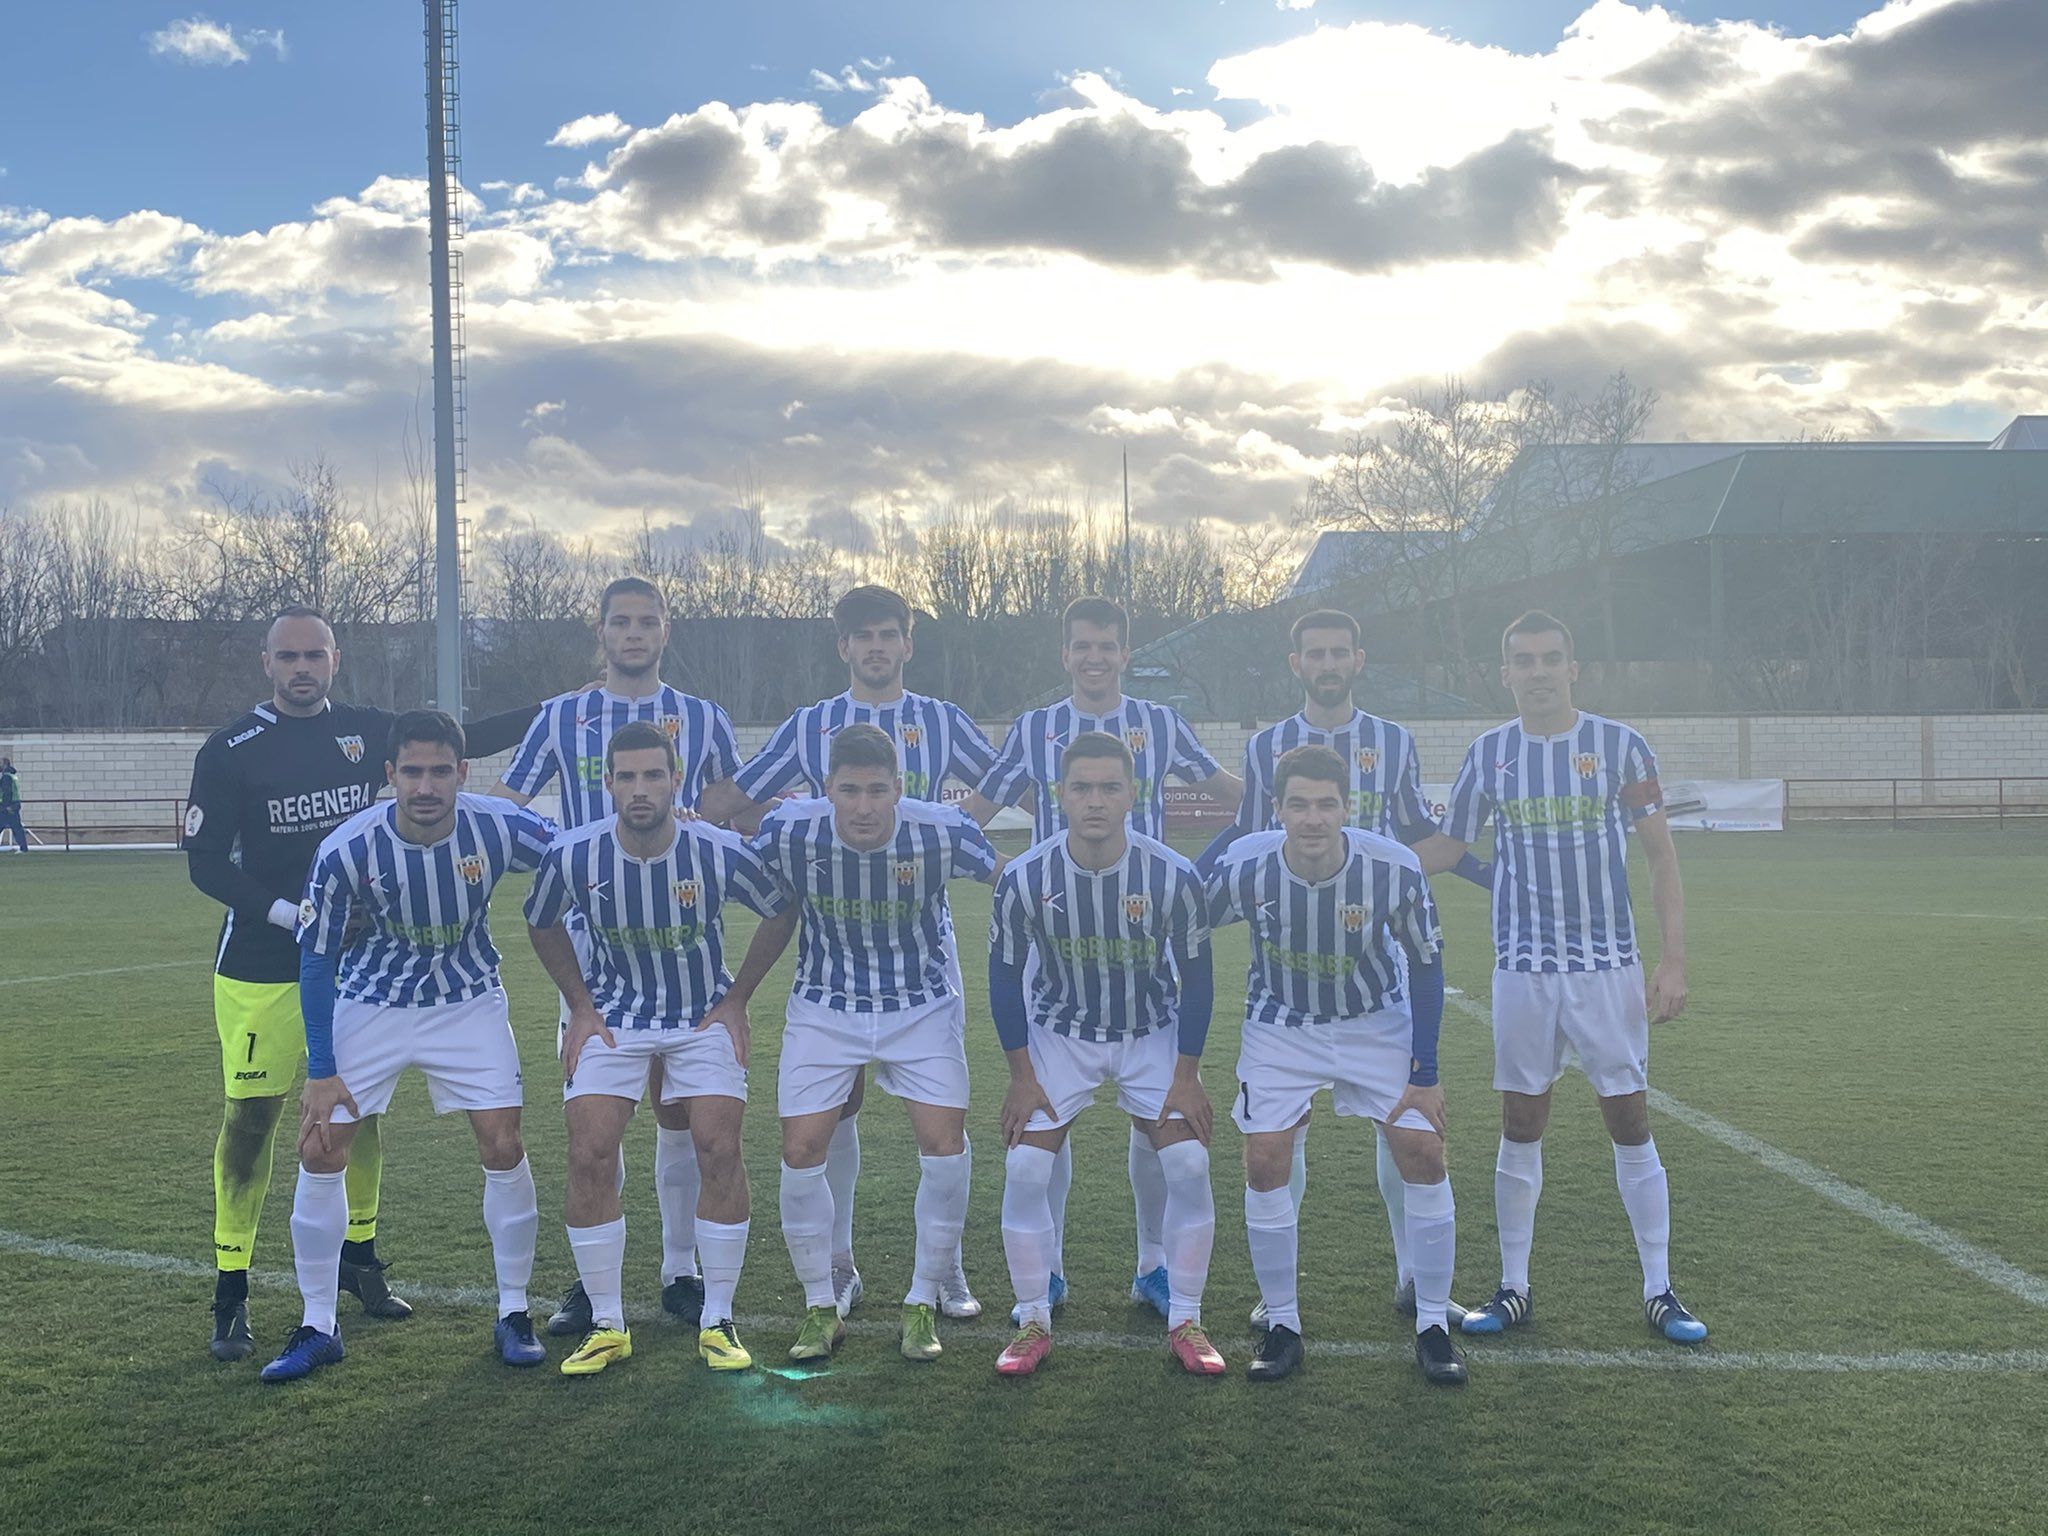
[
  {"x": 1899, "y": 118},
  {"x": 1113, "y": 187}
]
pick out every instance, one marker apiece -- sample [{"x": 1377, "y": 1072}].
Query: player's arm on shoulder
[
  {"x": 726, "y": 804},
  {"x": 502, "y": 732},
  {"x": 1224, "y": 787},
  {"x": 1667, "y": 988}
]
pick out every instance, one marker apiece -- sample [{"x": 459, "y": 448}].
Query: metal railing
[
  {"x": 81, "y": 821},
  {"x": 1900, "y": 800}
]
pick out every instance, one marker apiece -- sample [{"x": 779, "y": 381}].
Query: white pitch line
[
  {"x": 112, "y": 970},
  {"x": 1958, "y": 1251},
  {"x": 1666, "y": 1360},
  {"x": 1974, "y": 917}
]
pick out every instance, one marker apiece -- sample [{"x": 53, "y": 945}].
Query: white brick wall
[{"x": 156, "y": 766}]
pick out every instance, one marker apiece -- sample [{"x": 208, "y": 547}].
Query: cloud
[
  {"x": 883, "y": 314},
  {"x": 1111, "y": 181},
  {"x": 592, "y": 128},
  {"x": 201, "y": 40}
]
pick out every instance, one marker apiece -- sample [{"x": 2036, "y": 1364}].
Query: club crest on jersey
[
  {"x": 1354, "y": 919},
  {"x": 671, "y": 727},
  {"x": 906, "y": 873},
  {"x": 912, "y": 735},
  {"x": 687, "y": 892},
  {"x": 195, "y": 818},
  {"x": 1367, "y": 759},
  {"x": 1134, "y": 738},
  {"x": 471, "y": 867},
  {"x": 351, "y": 747},
  {"x": 1135, "y": 907},
  {"x": 1587, "y": 764}
]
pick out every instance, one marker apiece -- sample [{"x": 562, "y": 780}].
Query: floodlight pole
[{"x": 447, "y": 554}]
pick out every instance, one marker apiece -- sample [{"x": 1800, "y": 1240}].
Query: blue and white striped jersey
[
  {"x": 569, "y": 736},
  {"x": 935, "y": 740},
  {"x": 1161, "y": 742},
  {"x": 424, "y": 940},
  {"x": 1561, "y": 808},
  {"x": 876, "y": 928},
  {"x": 1386, "y": 775},
  {"x": 1331, "y": 950},
  {"x": 657, "y": 926},
  {"x": 1103, "y": 941}
]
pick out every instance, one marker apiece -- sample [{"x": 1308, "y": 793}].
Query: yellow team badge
[
  {"x": 351, "y": 747},
  {"x": 1135, "y": 907},
  {"x": 471, "y": 867},
  {"x": 912, "y": 735},
  {"x": 906, "y": 873},
  {"x": 671, "y": 727},
  {"x": 1587, "y": 764},
  {"x": 687, "y": 892},
  {"x": 1134, "y": 738},
  {"x": 1354, "y": 919},
  {"x": 1367, "y": 759}
]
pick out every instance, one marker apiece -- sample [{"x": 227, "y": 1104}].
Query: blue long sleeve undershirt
[
  {"x": 1197, "y": 998},
  {"x": 1006, "y": 1002},
  {"x": 1426, "y": 1003},
  {"x": 316, "y": 1003}
]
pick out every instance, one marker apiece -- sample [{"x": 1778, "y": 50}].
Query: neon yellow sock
[
  {"x": 241, "y": 1177},
  {"x": 365, "y": 1179}
]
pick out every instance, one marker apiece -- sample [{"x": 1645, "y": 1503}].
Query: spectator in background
[{"x": 10, "y": 804}]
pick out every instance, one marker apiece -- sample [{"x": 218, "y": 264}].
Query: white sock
[
  {"x": 1392, "y": 1191},
  {"x": 1271, "y": 1225},
  {"x": 842, "y": 1172},
  {"x": 601, "y": 1265},
  {"x": 959, "y": 1271},
  {"x": 1517, "y": 1185},
  {"x": 676, "y": 1183},
  {"x": 1148, "y": 1193},
  {"x": 1056, "y": 1196},
  {"x": 512, "y": 1217},
  {"x": 941, "y": 1212},
  {"x": 1297, "y": 1175},
  {"x": 319, "y": 1226},
  {"x": 1027, "y": 1228},
  {"x": 724, "y": 1247},
  {"x": 807, "y": 1230},
  {"x": 1190, "y": 1228},
  {"x": 1646, "y": 1195},
  {"x": 1433, "y": 1245}
]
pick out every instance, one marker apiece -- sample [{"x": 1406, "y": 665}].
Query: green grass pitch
[{"x": 1866, "y": 1000}]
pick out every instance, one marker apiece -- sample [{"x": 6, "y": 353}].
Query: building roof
[{"x": 1673, "y": 492}]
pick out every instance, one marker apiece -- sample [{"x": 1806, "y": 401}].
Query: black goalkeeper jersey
[{"x": 265, "y": 790}]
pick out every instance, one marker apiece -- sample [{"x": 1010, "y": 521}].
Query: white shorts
[
  {"x": 919, "y": 1053},
  {"x": 1541, "y": 1016},
  {"x": 1070, "y": 1070},
  {"x": 1364, "y": 1063},
  {"x": 466, "y": 1050},
  {"x": 694, "y": 1063}
]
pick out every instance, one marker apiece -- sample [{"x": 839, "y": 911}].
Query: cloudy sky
[{"x": 880, "y": 256}]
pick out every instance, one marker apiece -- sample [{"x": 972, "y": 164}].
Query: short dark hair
[
  {"x": 294, "y": 611},
  {"x": 1095, "y": 610},
  {"x": 870, "y": 605},
  {"x": 638, "y": 736},
  {"x": 1308, "y": 762},
  {"x": 1535, "y": 622},
  {"x": 1321, "y": 618},
  {"x": 1096, "y": 744},
  {"x": 428, "y": 725},
  {"x": 635, "y": 586},
  {"x": 862, "y": 746}
]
